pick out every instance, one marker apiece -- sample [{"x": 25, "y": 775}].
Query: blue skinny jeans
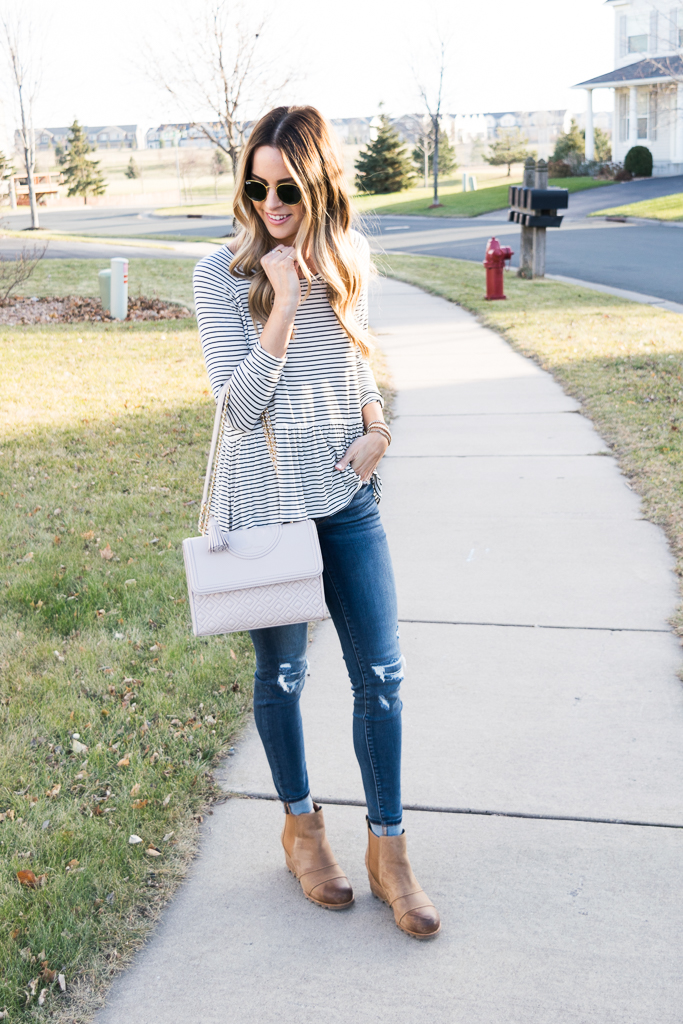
[{"x": 361, "y": 596}]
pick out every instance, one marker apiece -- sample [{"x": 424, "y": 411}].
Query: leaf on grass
[
  {"x": 129, "y": 583},
  {"x": 123, "y": 763},
  {"x": 135, "y": 790},
  {"x": 133, "y": 840},
  {"x": 54, "y": 792},
  {"x": 42, "y": 996},
  {"x": 167, "y": 837},
  {"x": 61, "y": 981},
  {"x": 166, "y": 801},
  {"x": 48, "y": 975},
  {"x": 25, "y": 953},
  {"x": 78, "y": 747},
  {"x": 233, "y": 655},
  {"x": 89, "y": 535},
  {"x": 58, "y": 656},
  {"x": 153, "y": 852},
  {"x": 154, "y": 758},
  {"x": 72, "y": 864},
  {"x": 28, "y": 879},
  {"x": 106, "y": 553},
  {"x": 137, "y": 805}
]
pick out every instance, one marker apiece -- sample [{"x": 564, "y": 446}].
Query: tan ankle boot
[
  {"x": 392, "y": 880},
  {"x": 310, "y": 859}
]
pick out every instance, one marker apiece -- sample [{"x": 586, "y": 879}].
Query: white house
[
  {"x": 119, "y": 136},
  {"x": 647, "y": 81}
]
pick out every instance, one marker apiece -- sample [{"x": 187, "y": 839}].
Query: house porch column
[
  {"x": 590, "y": 135},
  {"x": 633, "y": 116}
]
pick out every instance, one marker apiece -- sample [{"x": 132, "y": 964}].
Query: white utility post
[
  {"x": 119, "y": 288},
  {"x": 633, "y": 115},
  {"x": 590, "y": 134}
]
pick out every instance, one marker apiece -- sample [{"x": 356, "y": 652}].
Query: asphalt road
[
  {"x": 119, "y": 222},
  {"x": 646, "y": 258}
]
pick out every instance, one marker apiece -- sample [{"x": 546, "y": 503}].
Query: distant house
[
  {"x": 541, "y": 127},
  {"x": 647, "y": 81},
  {"x": 122, "y": 136},
  {"x": 184, "y": 135}
]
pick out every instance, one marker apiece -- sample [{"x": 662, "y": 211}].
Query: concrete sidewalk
[{"x": 541, "y": 690}]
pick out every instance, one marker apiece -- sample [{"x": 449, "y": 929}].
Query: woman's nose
[{"x": 272, "y": 200}]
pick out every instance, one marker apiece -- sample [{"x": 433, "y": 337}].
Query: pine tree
[
  {"x": 447, "y": 161},
  {"x": 603, "y": 145},
  {"x": 6, "y": 166},
  {"x": 383, "y": 165},
  {"x": 132, "y": 170},
  {"x": 509, "y": 148},
  {"x": 219, "y": 163},
  {"x": 83, "y": 176},
  {"x": 569, "y": 143}
]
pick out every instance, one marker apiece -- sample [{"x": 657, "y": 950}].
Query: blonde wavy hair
[{"x": 311, "y": 155}]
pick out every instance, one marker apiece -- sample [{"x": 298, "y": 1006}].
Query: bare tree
[
  {"x": 432, "y": 101},
  {"x": 25, "y": 79},
  {"x": 14, "y": 270},
  {"x": 221, "y": 68}
]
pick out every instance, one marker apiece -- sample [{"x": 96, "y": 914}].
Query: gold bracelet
[{"x": 384, "y": 431}]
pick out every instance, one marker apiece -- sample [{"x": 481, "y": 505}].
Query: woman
[{"x": 283, "y": 314}]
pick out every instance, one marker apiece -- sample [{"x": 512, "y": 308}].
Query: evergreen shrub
[{"x": 639, "y": 162}]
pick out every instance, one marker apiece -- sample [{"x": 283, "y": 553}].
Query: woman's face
[{"x": 281, "y": 221}]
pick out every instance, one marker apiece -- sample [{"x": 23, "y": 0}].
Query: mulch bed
[{"x": 78, "y": 308}]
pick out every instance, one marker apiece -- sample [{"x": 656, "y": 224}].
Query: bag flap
[{"x": 259, "y": 556}]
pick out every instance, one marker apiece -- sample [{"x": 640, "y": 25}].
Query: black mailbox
[{"x": 537, "y": 207}]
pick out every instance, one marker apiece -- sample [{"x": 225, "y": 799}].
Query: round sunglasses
[{"x": 287, "y": 193}]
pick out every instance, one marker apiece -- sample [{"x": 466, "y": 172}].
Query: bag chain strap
[{"x": 269, "y": 435}]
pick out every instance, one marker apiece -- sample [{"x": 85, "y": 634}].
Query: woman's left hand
[{"x": 364, "y": 455}]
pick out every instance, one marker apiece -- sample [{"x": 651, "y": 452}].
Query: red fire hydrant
[{"x": 496, "y": 255}]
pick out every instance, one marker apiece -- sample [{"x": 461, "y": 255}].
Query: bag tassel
[{"x": 217, "y": 539}]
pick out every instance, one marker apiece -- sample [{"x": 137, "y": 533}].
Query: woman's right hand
[{"x": 281, "y": 267}]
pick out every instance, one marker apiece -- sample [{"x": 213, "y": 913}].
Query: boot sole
[
  {"x": 318, "y": 903},
  {"x": 379, "y": 894}
]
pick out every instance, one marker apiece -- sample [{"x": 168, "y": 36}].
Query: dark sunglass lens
[
  {"x": 255, "y": 190},
  {"x": 290, "y": 195}
]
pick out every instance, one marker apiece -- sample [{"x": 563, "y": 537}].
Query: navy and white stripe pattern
[{"x": 314, "y": 397}]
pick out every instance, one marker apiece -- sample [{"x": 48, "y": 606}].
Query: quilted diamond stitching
[{"x": 277, "y": 604}]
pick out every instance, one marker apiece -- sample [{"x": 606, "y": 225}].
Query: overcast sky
[{"x": 349, "y": 55}]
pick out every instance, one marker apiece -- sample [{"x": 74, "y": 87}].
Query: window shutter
[
  {"x": 623, "y": 36},
  {"x": 652, "y": 120},
  {"x": 654, "y": 28}
]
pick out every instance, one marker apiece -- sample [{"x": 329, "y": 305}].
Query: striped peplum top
[{"x": 314, "y": 397}]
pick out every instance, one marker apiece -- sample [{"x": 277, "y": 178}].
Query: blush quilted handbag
[{"x": 250, "y": 578}]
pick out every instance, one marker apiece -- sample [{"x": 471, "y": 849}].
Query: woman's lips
[{"x": 278, "y": 218}]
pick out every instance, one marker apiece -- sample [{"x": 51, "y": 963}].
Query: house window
[
  {"x": 638, "y": 29},
  {"x": 623, "y": 116},
  {"x": 643, "y": 112}
]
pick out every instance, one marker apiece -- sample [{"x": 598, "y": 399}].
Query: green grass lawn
[
  {"x": 623, "y": 361},
  {"x": 663, "y": 208},
  {"x": 164, "y": 279},
  {"x": 457, "y": 203},
  {"x": 105, "y": 430}
]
